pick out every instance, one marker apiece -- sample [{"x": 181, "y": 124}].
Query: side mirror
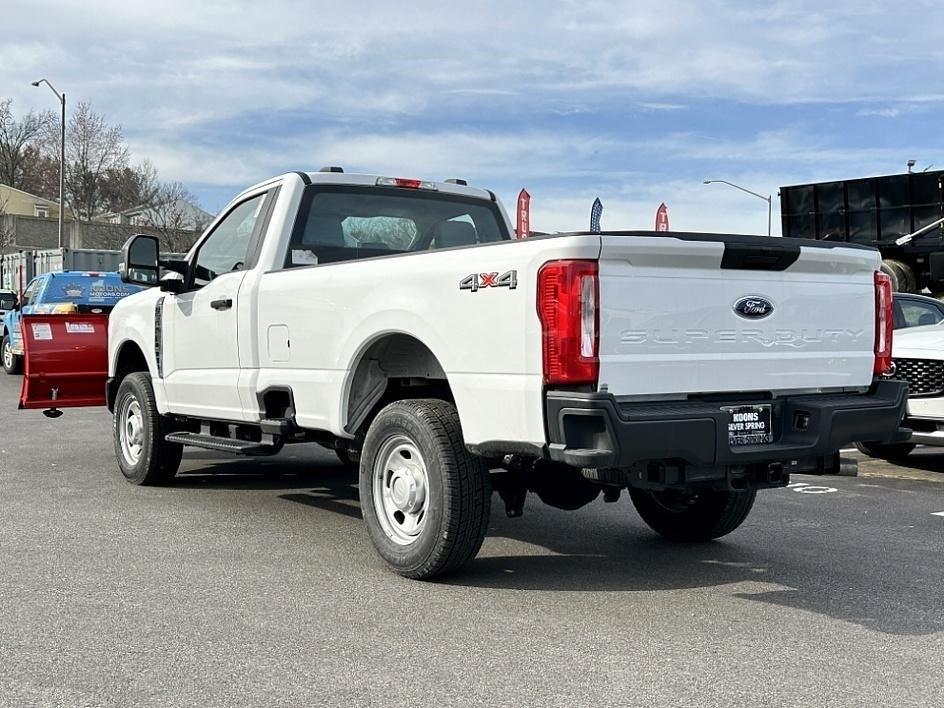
[{"x": 141, "y": 258}]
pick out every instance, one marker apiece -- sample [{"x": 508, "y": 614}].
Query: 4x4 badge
[{"x": 474, "y": 282}]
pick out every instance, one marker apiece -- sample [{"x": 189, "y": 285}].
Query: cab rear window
[{"x": 346, "y": 223}]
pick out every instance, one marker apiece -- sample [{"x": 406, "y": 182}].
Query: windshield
[
  {"x": 346, "y": 223},
  {"x": 104, "y": 290},
  {"x": 6, "y": 301}
]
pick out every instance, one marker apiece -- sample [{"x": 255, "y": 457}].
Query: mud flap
[{"x": 65, "y": 361}]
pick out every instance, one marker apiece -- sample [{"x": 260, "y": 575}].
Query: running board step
[
  {"x": 277, "y": 426},
  {"x": 212, "y": 442}
]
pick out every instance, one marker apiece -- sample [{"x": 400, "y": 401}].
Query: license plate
[{"x": 749, "y": 425}]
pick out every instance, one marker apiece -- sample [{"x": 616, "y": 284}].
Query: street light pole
[
  {"x": 62, "y": 155},
  {"x": 768, "y": 198}
]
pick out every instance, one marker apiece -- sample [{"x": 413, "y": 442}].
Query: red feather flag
[
  {"x": 524, "y": 214},
  {"x": 662, "y": 218}
]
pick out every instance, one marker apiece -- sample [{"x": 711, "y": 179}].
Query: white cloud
[
  {"x": 887, "y": 112},
  {"x": 212, "y": 61}
]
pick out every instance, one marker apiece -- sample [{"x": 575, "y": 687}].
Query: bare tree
[
  {"x": 99, "y": 177},
  {"x": 94, "y": 150},
  {"x": 7, "y": 232},
  {"x": 17, "y": 150},
  {"x": 172, "y": 214}
]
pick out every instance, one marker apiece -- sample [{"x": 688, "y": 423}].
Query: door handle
[{"x": 221, "y": 304}]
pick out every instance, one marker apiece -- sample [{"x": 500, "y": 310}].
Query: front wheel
[
  {"x": 144, "y": 457},
  {"x": 885, "y": 452},
  {"x": 12, "y": 363},
  {"x": 424, "y": 497},
  {"x": 692, "y": 516}
]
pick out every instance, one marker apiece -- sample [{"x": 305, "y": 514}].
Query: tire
[
  {"x": 434, "y": 516},
  {"x": 903, "y": 277},
  {"x": 693, "y": 517},
  {"x": 12, "y": 363},
  {"x": 891, "y": 273},
  {"x": 886, "y": 452},
  {"x": 144, "y": 457},
  {"x": 910, "y": 278}
]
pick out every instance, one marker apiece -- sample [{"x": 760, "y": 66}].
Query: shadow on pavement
[
  {"x": 624, "y": 557},
  {"x": 872, "y": 589},
  {"x": 929, "y": 459}
]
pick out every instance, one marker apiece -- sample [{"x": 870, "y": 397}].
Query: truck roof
[{"x": 365, "y": 180}]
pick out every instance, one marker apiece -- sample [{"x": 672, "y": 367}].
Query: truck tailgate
[{"x": 669, "y": 320}]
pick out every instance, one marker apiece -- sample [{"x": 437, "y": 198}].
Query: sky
[{"x": 636, "y": 103}]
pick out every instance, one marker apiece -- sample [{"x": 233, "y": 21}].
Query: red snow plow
[{"x": 66, "y": 361}]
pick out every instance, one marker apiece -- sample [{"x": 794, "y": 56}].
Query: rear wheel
[
  {"x": 903, "y": 277},
  {"x": 886, "y": 452},
  {"x": 12, "y": 363},
  {"x": 424, "y": 497},
  {"x": 144, "y": 457},
  {"x": 692, "y": 516}
]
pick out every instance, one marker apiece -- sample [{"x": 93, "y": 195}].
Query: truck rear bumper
[{"x": 598, "y": 430}]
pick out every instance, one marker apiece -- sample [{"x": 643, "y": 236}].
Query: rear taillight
[
  {"x": 884, "y": 319},
  {"x": 568, "y": 306}
]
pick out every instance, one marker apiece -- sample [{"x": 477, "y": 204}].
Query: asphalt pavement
[{"x": 253, "y": 583}]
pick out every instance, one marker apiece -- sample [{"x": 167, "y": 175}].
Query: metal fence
[{"x": 17, "y": 269}]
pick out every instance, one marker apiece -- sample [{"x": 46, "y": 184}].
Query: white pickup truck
[{"x": 398, "y": 322}]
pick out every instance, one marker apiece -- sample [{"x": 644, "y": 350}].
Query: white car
[
  {"x": 399, "y": 322},
  {"x": 919, "y": 361}
]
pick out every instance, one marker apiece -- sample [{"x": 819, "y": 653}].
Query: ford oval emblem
[{"x": 753, "y": 307}]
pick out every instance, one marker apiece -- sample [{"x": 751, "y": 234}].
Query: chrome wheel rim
[
  {"x": 401, "y": 490},
  {"x": 7, "y": 354},
  {"x": 131, "y": 429}
]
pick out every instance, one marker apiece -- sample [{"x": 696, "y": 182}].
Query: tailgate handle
[
  {"x": 221, "y": 304},
  {"x": 744, "y": 256}
]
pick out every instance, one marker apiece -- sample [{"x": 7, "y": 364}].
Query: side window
[
  {"x": 227, "y": 248},
  {"x": 916, "y": 314},
  {"x": 898, "y": 317},
  {"x": 32, "y": 290}
]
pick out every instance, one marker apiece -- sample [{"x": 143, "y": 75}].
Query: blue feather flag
[{"x": 596, "y": 211}]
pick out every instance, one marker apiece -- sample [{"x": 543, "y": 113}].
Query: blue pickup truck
[{"x": 59, "y": 293}]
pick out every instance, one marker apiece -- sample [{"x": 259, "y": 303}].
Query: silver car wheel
[
  {"x": 7, "y": 354},
  {"x": 401, "y": 490},
  {"x": 131, "y": 430}
]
